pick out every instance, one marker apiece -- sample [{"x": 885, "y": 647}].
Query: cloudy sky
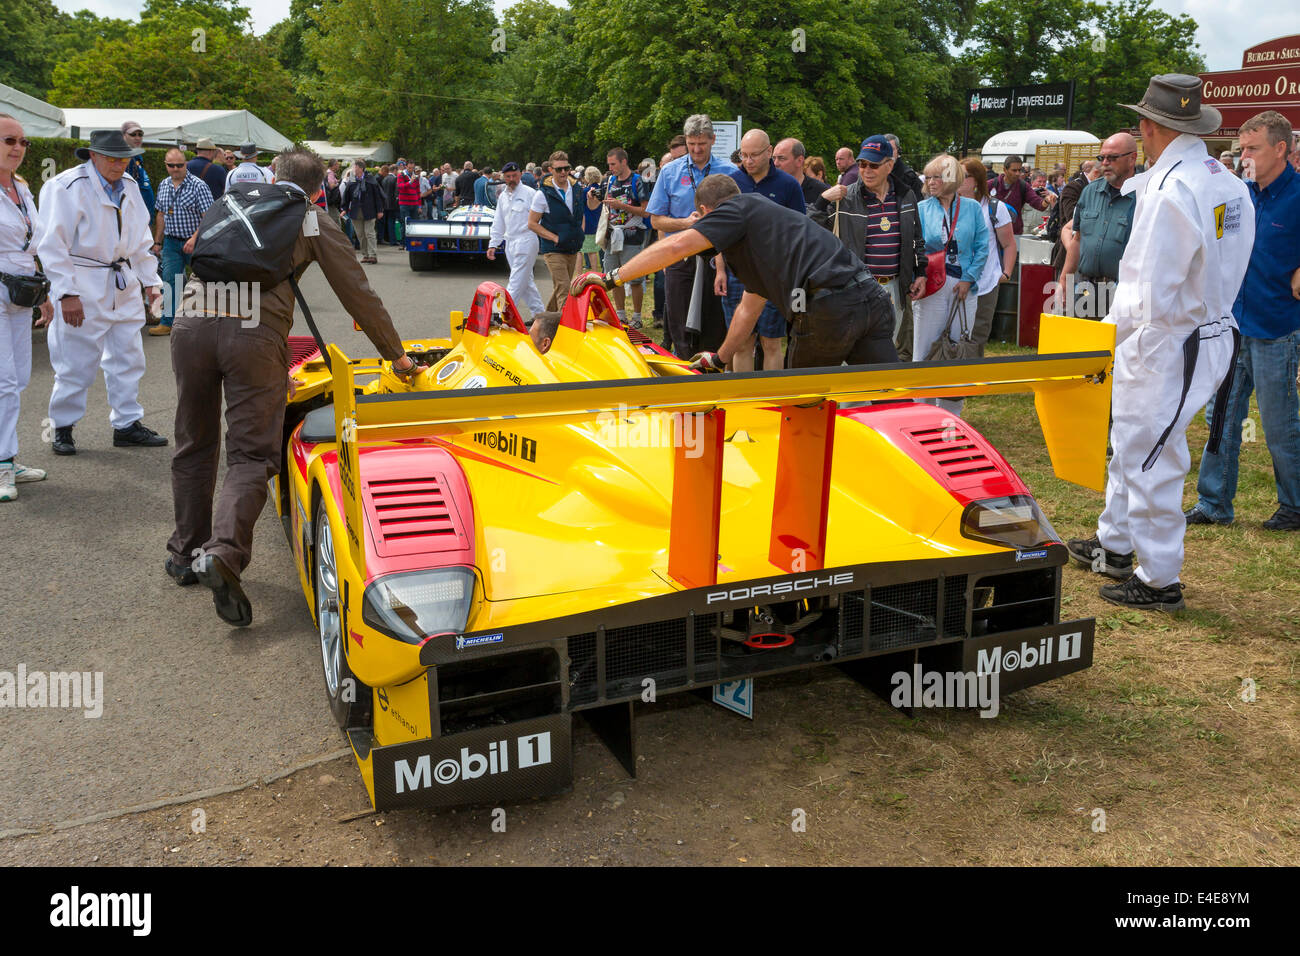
[{"x": 1226, "y": 26}]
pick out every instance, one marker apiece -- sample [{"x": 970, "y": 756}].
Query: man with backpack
[{"x": 219, "y": 346}]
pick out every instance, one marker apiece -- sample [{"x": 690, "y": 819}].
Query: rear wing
[{"x": 1071, "y": 394}]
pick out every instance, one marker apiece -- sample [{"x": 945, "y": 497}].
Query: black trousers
[
  {"x": 679, "y": 280},
  {"x": 853, "y": 325}
]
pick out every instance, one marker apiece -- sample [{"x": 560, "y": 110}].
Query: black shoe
[
  {"x": 1087, "y": 550},
  {"x": 227, "y": 596},
  {"x": 1197, "y": 516},
  {"x": 1134, "y": 592},
  {"x": 182, "y": 574},
  {"x": 137, "y": 434},
  {"x": 1283, "y": 520},
  {"x": 63, "y": 443}
]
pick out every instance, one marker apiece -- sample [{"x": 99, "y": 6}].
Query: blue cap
[{"x": 876, "y": 149}]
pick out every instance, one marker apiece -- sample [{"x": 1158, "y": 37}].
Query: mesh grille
[
  {"x": 655, "y": 650},
  {"x": 903, "y": 614},
  {"x": 706, "y": 646},
  {"x": 851, "y": 608},
  {"x": 954, "y": 606},
  {"x": 582, "y": 668}
]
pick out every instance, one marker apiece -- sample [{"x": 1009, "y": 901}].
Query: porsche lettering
[{"x": 780, "y": 587}]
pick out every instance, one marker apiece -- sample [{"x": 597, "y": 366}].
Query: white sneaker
[
  {"x": 23, "y": 473},
  {"x": 8, "y": 489}
]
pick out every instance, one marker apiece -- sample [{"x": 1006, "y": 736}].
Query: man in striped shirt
[{"x": 182, "y": 200}]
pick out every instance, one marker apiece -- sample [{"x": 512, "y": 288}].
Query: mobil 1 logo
[
  {"x": 1031, "y": 656},
  {"x": 529, "y": 758}
]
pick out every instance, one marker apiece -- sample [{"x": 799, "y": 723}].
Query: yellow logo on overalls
[{"x": 1220, "y": 211}]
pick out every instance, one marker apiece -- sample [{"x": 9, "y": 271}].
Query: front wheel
[{"x": 349, "y": 699}]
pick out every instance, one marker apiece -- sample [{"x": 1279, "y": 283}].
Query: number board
[{"x": 736, "y": 695}]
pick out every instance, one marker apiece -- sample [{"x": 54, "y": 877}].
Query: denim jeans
[
  {"x": 1268, "y": 368},
  {"x": 172, "y": 272}
]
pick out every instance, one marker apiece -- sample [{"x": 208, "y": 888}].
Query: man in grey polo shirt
[{"x": 1099, "y": 232}]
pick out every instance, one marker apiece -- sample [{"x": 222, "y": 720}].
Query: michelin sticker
[{"x": 464, "y": 642}]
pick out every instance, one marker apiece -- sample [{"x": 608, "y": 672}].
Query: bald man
[
  {"x": 847, "y": 165},
  {"x": 789, "y": 157},
  {"x": 758, "y": 174}
]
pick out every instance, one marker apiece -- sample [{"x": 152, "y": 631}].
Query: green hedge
[{"x": 63, "y": 152}]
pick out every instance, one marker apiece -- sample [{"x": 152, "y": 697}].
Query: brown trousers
[
  {"x": 210, "y": 356},
  {"x": 563, "y": 267}
]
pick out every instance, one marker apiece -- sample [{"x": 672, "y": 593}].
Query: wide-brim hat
[
  {"x": 1174, "y": 100},
  {"x": 108, "y": 142},
  {"x": 248, "y": 151}
]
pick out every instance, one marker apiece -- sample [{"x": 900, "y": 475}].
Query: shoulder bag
[
  {"x": 944, "y": 349},
  {"x": 936, "y": 272}
]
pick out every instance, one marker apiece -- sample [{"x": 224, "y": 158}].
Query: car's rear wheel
[
  {"x": 421, "y": 261},
  {"x": 349, "y": 699}
]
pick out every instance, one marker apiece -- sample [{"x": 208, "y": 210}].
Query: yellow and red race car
[{"x": 513, "y": 538}]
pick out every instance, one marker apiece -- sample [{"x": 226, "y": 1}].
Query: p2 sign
[{"x": 736, "y": 695}]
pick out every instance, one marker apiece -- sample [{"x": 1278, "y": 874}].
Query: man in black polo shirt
[{"x": 839, "y": 311}]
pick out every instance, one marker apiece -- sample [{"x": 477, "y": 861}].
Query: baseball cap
[
  {"x": 130, "y": 126},
  {"x": 876, "y": 149},
  {"x": 511, "y": 167},
  {"x": 401, "y": 162}
]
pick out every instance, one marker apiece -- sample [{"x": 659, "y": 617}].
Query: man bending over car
[{"x": 838, "y": 310}]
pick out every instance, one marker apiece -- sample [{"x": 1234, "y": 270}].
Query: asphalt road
[{"x": 188, "y": 702}]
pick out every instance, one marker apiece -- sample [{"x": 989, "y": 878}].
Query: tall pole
[{"x": 1069, "y": 108}]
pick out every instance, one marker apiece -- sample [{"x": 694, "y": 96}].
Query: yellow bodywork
[{"x": 584, "y": 522}]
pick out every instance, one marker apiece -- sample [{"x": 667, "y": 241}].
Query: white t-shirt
[
  {"x": 248, "y": 172},
  {"x": 541, "y": 205},
  {"x": 993, "y": 264}
]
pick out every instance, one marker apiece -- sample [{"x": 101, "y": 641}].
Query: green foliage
[
  {"x": 406, "y": 72},
  {"x": 218, "y": 69},
  {"x": 287, "y": 45}
]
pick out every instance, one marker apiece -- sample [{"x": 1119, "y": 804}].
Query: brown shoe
[{"x": 160, "y": 330}]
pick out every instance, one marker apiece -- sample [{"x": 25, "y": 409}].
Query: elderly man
[
  {"x": 880, "y": 224},
  {"x": 95, "y": 246},
  {"x": 1175, "y": 340},
  {"x": 758, "y": 174},
  {"x": 1099, "y": 230},
  {"x": 510, "y": 231},
  {"x": 183, "y": 198},
  {"x": 688, "y": 289},
  {"x": 1268, "y": 312},
  {"x": 789, "y": 156},
  {"x": 215, "y": 354},
  {"x": 248, "y": 171}
]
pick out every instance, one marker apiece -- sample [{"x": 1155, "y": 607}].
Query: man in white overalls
[
  {"x": 95, "y": 248},
  {"x": 1176, "y": 340},
  {"x": 511, "y": 226}
]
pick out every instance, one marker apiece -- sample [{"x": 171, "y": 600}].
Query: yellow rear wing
[{"x": 1071, "y": 390}]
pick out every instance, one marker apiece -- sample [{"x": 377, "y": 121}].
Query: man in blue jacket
[{"x": 556, "y": 216}]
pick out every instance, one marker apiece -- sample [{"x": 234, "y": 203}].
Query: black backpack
[{"x": 249, "y": 233}]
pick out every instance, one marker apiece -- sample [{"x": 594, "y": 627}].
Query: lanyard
[
  {"x": 690, "y": 169},
  {"x": 21, "y": 206}
]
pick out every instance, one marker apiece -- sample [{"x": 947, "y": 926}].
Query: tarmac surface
[{"x": 188, "y": 703}]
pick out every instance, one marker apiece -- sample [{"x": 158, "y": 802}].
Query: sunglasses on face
[
  {"x": 868, "y": 164},
  {"x": 20, "y": 140},
  {"x": 136, "y": 132},
  {"x": 175, "y": 165},
  {"x": 1111, "y": 157},
  {"x": 560, "y": 169}
]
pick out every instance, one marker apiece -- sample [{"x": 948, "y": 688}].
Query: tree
[
  {"x": 217, "y": 70},
  {"x": 406, "y": 72},
  {"x": 287, "y": 44},
  {"x": 35, "y": 36}
]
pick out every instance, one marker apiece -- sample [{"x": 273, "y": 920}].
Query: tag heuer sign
[
  {"x": 991, "y": 101},
  {"x": 1046, "y": 99}
]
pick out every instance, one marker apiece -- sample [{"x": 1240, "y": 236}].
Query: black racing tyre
[
  {"x": 349, "y": 699},
  {"x": 421, "y": 261}
]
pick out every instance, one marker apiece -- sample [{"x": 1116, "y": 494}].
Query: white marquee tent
[
  {"x": 226, "y": 128},
  {"x": 38, "y": 117},
  {"x": 381, "y": 152}
]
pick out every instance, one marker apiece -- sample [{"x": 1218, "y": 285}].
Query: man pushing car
[{"x": 838, "y": 311}]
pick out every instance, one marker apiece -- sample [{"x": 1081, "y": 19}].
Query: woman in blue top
[
  {"x": 590, "y": 220},
  {"x": 959, "y": 225}
]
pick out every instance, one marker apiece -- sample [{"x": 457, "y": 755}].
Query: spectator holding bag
[
  {"x": 1001, "y": 263},
  {"x": 957, "y": 229}
]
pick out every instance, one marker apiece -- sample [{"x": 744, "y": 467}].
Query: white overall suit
[
  {"x": 511, "y": 224},
  {"x": 93, "y": 250},
  {"x": 1192, "y": 233}
]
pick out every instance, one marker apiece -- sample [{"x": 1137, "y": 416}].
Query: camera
[{"x": 598, "y": 191}]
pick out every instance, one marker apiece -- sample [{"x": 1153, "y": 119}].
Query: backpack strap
[{"x": 311, "y": 323}]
